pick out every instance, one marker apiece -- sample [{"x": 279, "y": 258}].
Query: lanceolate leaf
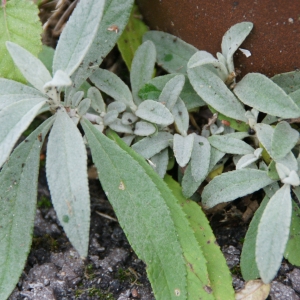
[
  {"x": 14, "y": 119},
  {"x": 215, "y": 93},
  {"x": 272, "y": 235},
  {"x": 232, "y": 185},
  {"x": 18, "y": 183},
  {"x": 260, "y": 92},
  {"x": 181, "y": 117},
  {"x": 264, "y": 134},
  {"x": 78, "y": 35},
  {"x": 289, "y": 82},
  {"x": 19, "y": 23},
  {"x": 66, "y": 168},
  {"x": 159, "y": 248}
]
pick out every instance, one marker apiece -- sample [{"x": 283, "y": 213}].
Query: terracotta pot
[{"x": 274, "y": 41}]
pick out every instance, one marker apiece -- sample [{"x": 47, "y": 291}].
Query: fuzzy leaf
[
  {"x": 97, "y": 102},
  {"x": 181, "y": 117},
  {"x": 129, "y": 118},
  {"x": 154, "y": 112},
  {"x": 78, "y": 35},
  {"x": 14, "y": 119},
  {"x": 18, "y": 178},
  {"x": 215, "y": 93},
  {"x": 272, "y": 235},
  {"x": 19, "y": 23},
  {"x": 160, "y": 162},
  {"x": 260, "y": 92},
  {"x": 232, "y": 185},
  {"x": 118, "y": 106},
  {"x": 215, "y": 156},
  {"x": 149, "y": 146},
  {"x": 110, "y": 117},
  {"x": 83, "y": 106},
  {"x": 182, "y": 147},
  {"x": 69, "y": 187},
  {"x": 264, "y": 134},
  {"x": 289, "y": 82},
  {"x": 173, "y": 53},
  {"x": 77, "y": 97},
  {"x": 118, "y": 126},
  {"x": 144, "y": 128},
  {"x": 60, "y": 79}
]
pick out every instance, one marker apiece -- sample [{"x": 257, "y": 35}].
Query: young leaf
[
  {"x": 18, "y": 181},
  {"x": 118, "y": 126},
  {"x": 78, "y": 35},
  {"x": 14, "y": 119},
  {"x": 154, "y": 112},
  {"x": 215, "y": 156},
  {"x": 165, "y": 263},
  {"x": 159, "y": 162},
  {"x": 110, "y": 117},
  {"x": 181, "y": 117},
  {"x": 77, "y": 97},
  {"x": 289, "y": 82},
  {"x": 248, "y": 264},
  {"x": 173, "y": 53},
  {"x": 69, "y": 187},
  {"x": 182, "y": 147},
  {"x": 232, "y": 185},
  {"x": 264, "y": 134},
  {"x": 142, "y": 68},
  {"x": 144, "y": 128},
  {"x": 83, "y": 106},
  {"x": 97, "y": 102},
  {"x": 189, "y": 184},
  {"x": 118, "y": 106},
  {"x": 215, "y": 93},
  {"x": 260, "y": 92},
  {"x": 29, "y": 65},
  {"x": 19, "y": 24},
  {"x": 272, "y": 235},
  {"x": 129, "y": 118}
]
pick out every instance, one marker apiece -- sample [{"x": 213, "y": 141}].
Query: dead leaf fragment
[{"x": 254, "y": 290}]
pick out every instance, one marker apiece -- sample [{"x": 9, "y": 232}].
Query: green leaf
[
  {"x": 182, "y": 147},
  {"x": 289, "y": 82},
  {"x": 248, "y": 264},
  {"x": 160, "y": 162},
  {"x": 215, "y": 93},
  {"x": 173, "y": 53},
  {"x": 18, "y": 183},
  {"x": 232, "y": 185},
  {"x": 46, "y": 57},
  {"x": 272, "y": 235},
  {"x": 97, "y": 101},
  {"x": 131, "y": 37},
  {"x": 218, "y": 272},
  {"x": 272, "y": 172},
  {"x": 14, "y": 119},
  {"x": 198, "y": 286},
  {"x": 260, "y": 92},
  {"x": 144, "y": 128},
  {"x": 66, "y": 167},
  {"x": 19, "y": 23},
  {"x": 264, "y": 133},
  {"x": 181, "y": 117},
  {"x": 142, "y": 68}
]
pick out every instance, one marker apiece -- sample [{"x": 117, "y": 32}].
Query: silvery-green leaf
[
  {"x": 272, "y": 171},
  {"x": 283, "y": 140},
  {"x": 118, "y": 126},
  {"x": 289, "y": 161},
  {"x": 99, "y": 127},
  {"x": 260, "y": 92},
  {"x": 269, "y": 119},
  {"x": 78, "y": 35},
  {"x": 289, "y": 82},
  {"x": 29, "y": 65},
  {"x": 296, "y": 97},
  {"x": 215, "y": 156},
  {"x": 83, "y": 106},
  {"x": 159, "y": 162},
  {"x": 14, "y": 119},
  {"x": 173, "y": 53},
  {"x": 221, "y": 58},
  {"x": 77, "y": 98},
  {"x": 189, "y": 185},
  {"x": 142, "y": 68},
  {"x": 292, "y": 179},
  {"x": 118, "y": 106},
  {"x": 215, "y": 129},
  {"x": 238, "y": 135},
  {"x": 232, "y": 40},
  {"x": 110, "y": 117},
  {"x": 271, "y": 189},
  {"x": 149, "y": 146},
  {"x": 230, "y": 145},
  {"x": 181, "y": 117},
  {"x": 60, "y": 79},
  {"x": 97, "y": 102},
  {"x": 69, "y": 187},
  {"x": 232, "y": 185},
  {"x": 272, "y": 235},
  {"x": 215, "y": 93},
  {"x": 264, "y": 134},
  {"x": 113, "y": 86},
  {"x": 171, "y": 91},
  {"x": 128, "y": 118},
  {"x": 199, "y": 57},
  {"x": 245, "y": 161},
  {"x": 144, "y": 128},
  {"x": 12, "y": 91},
  {"x": 182, "y": 147},
  {"x": 154, "y": 112},
  {"x": 128, "y": 139}
]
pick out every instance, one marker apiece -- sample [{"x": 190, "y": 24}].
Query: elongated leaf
[
  {"x": 215, "y": 93},
  {"x": 149, "y": 146},
  {"x": 230, "y": 145},
  {"x": 78, "y": 35},
  {"x": 14, "y": 119},
  {"x": 197, "y": 280},
  {"x": 18, "y": 183},
  {"x": 260, "y": 92},
  {"x": 160, "y": 249},
  {"x": 215, "y": 156},
  {"x": 248, "y": 264},
  {"x": 29, "y": 65},
  {"x": 46, "y": 57},
  {"x": 173, "y": 53},
  {"x": 218, "y": 272},
  {"x": 289, "y": 82},
  {"x": 232, "y": 185},
  {"x": 181, "y": 117},
  {"x": 97, "y": 101},
  {"x": 160, "y": 162},
  {"x": 113, "y": 86},
  {"x": 264, "y": 134},
  {"x": 272, "y": 235},
  {"x": 69, "y": 186},
  {"x": 182, "y": 147},
  {"x": 189, "y": 184},
  {"x": 142, "y": 68},
  {"x": 19, "y": 23}
]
